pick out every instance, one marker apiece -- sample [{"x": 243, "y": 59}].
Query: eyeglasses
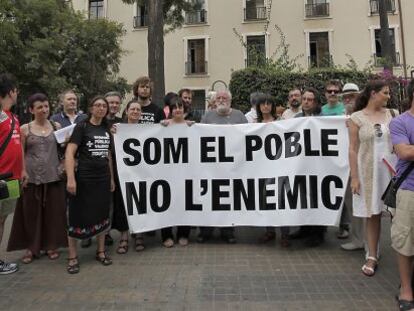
[
  {"x": 333, "y": 91},
  {"x": 100, "y": 105},
  {"x": 378, "y": 130},
  {"x": 308, "y": 99}
]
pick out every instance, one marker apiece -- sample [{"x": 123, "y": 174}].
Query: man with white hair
[{"x": 223, "y": 114}]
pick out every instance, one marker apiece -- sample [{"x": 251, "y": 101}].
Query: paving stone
[{"x": 210, "y": 276}]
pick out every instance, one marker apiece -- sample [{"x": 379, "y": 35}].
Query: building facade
[{"x": 206, "y": 49}]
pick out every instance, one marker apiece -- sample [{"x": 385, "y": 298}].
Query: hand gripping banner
[{"x": 286, "y": 173}]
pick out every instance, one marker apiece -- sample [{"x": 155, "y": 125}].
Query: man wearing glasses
[{"x": 333, "y": 107}]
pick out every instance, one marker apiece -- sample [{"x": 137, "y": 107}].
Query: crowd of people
[{"x": 71, "y": 191}]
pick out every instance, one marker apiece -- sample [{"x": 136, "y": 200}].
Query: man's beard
[
  {"x": 143, "y": 98},
  {"x": 222, "y": 109},
  {"x": 295, "y": 104}
]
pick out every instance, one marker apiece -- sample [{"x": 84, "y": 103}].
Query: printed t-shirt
[
  {"x": 151, "y": 114},
  {"x": 11, "y": 161},
  {"x": 94, "y": 142}
]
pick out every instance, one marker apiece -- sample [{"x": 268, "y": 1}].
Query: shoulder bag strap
[
  {"x": 392, "y": 113},
  {"x": 7, "y": 140},
  {"x": 404, "y": 175}
]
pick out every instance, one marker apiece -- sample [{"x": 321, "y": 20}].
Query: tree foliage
[{"x": 49, "y": 47}]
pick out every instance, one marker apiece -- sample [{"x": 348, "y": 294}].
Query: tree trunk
[
  {"x": 385, "y": 36},
  {"x": 156, "y": 49}
]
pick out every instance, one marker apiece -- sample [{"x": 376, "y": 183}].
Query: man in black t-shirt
[{"x": 150, "y": 112}]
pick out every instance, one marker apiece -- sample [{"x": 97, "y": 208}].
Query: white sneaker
[
  {"x": 351, "y": 246},
  {"x": 8, "y": 267}
]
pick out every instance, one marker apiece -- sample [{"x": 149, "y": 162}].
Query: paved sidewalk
[{"x": 213, "y": 276}]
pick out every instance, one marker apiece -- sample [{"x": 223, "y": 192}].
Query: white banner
[{"x": 285, "y": 173}]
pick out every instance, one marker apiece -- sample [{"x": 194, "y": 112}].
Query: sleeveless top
[{"x": 41, "y": 158}]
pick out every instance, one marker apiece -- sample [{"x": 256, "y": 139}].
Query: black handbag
[{"x": 389, "y": 196}]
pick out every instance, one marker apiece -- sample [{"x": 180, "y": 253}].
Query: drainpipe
[{"x": 402, "y": 39}]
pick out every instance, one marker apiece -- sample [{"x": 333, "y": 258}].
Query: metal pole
[{"x": 402, "y": 39}]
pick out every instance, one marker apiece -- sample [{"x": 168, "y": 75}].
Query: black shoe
[
  {"x": 108, "y": 240},
  {"x": 300, "y": 234},
  {"x": 314, "y": 241},
  {"x": 231, "y": 239},
  {"x": 202, "y": 238},
  {"x": 86, "y": 243}
]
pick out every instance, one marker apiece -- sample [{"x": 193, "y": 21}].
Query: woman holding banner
[
  {"x": 369, "y": 144},
  {"x": 39, "y": 222},
  {"x": 266, "y": 111},
  {"x": 90, "y": 186},
  {"x": 131, "y": 115},
  {"x": 183, "y": 232}
]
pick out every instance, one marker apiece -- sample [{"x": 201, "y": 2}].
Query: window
[
  {"x": 254, "y": 10},
  {"x": 374, "y": 6},
  {"x": 198, "y": 15},
  {"x": 255, "y": 50},
  {"x": 141, "y": 16},
  {"x": 378, "y": 55},
  {"x": 316, "y": 8},
  {"x": 196, "y": 57},
  {"x": 319, "y": 51},
  {"x": 96, "y": 9},
  {"x": 198, "y": 103}
]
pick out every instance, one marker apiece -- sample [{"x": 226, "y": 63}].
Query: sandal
[
  {"x": 168, "y": 243},
  {"x": 404, "y": 305},
  {"x": 284, "y": 241},
  {"x": 105, "y": 260},
  {"x": 369, "y": 270},
  {"x": 73, "y": 267},
  {"x": 53, "y": 255},
  {"x": 139, "y": 244},
  {"x": 122, "y": 247},
  {"x": 27, "y": 258}
]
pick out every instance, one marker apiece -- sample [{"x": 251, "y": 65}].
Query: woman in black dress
[{"x": 91, "y": 184}]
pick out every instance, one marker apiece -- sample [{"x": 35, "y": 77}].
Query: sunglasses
[
  {"x": 378, "y": 130},
  {"x": 333, "y": 91}
]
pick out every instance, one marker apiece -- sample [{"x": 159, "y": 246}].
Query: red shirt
[{"x": 12, "y": 158}]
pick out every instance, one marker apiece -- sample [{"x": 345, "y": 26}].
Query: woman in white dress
[{"x": 369, "y": 144}]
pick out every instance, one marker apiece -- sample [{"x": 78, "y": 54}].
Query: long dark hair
[
  {"x": 262, "y": 99},
  {"x": 365, "y": 95},
  {"x": 410, "y": 93},
  {"x": 105, "y": 122},
  {"x": 174, "y": 104}
]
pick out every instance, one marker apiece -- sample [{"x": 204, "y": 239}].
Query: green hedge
[{"x": 249, "y": 80}]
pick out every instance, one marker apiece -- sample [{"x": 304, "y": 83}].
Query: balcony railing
[
  {"x": 196, "y": 17},
  {"x": 141, "y": 21},
  {"x": 389, "y": 4},
  {"x": 255, "y": 60},
  {"x": 317, "y": 10},
  {"x": 195, "y": 68},
  {"x": 380, "y": 61},
  {"x": 325, "y": 62},
  {"x": 254, "y": 13}
]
